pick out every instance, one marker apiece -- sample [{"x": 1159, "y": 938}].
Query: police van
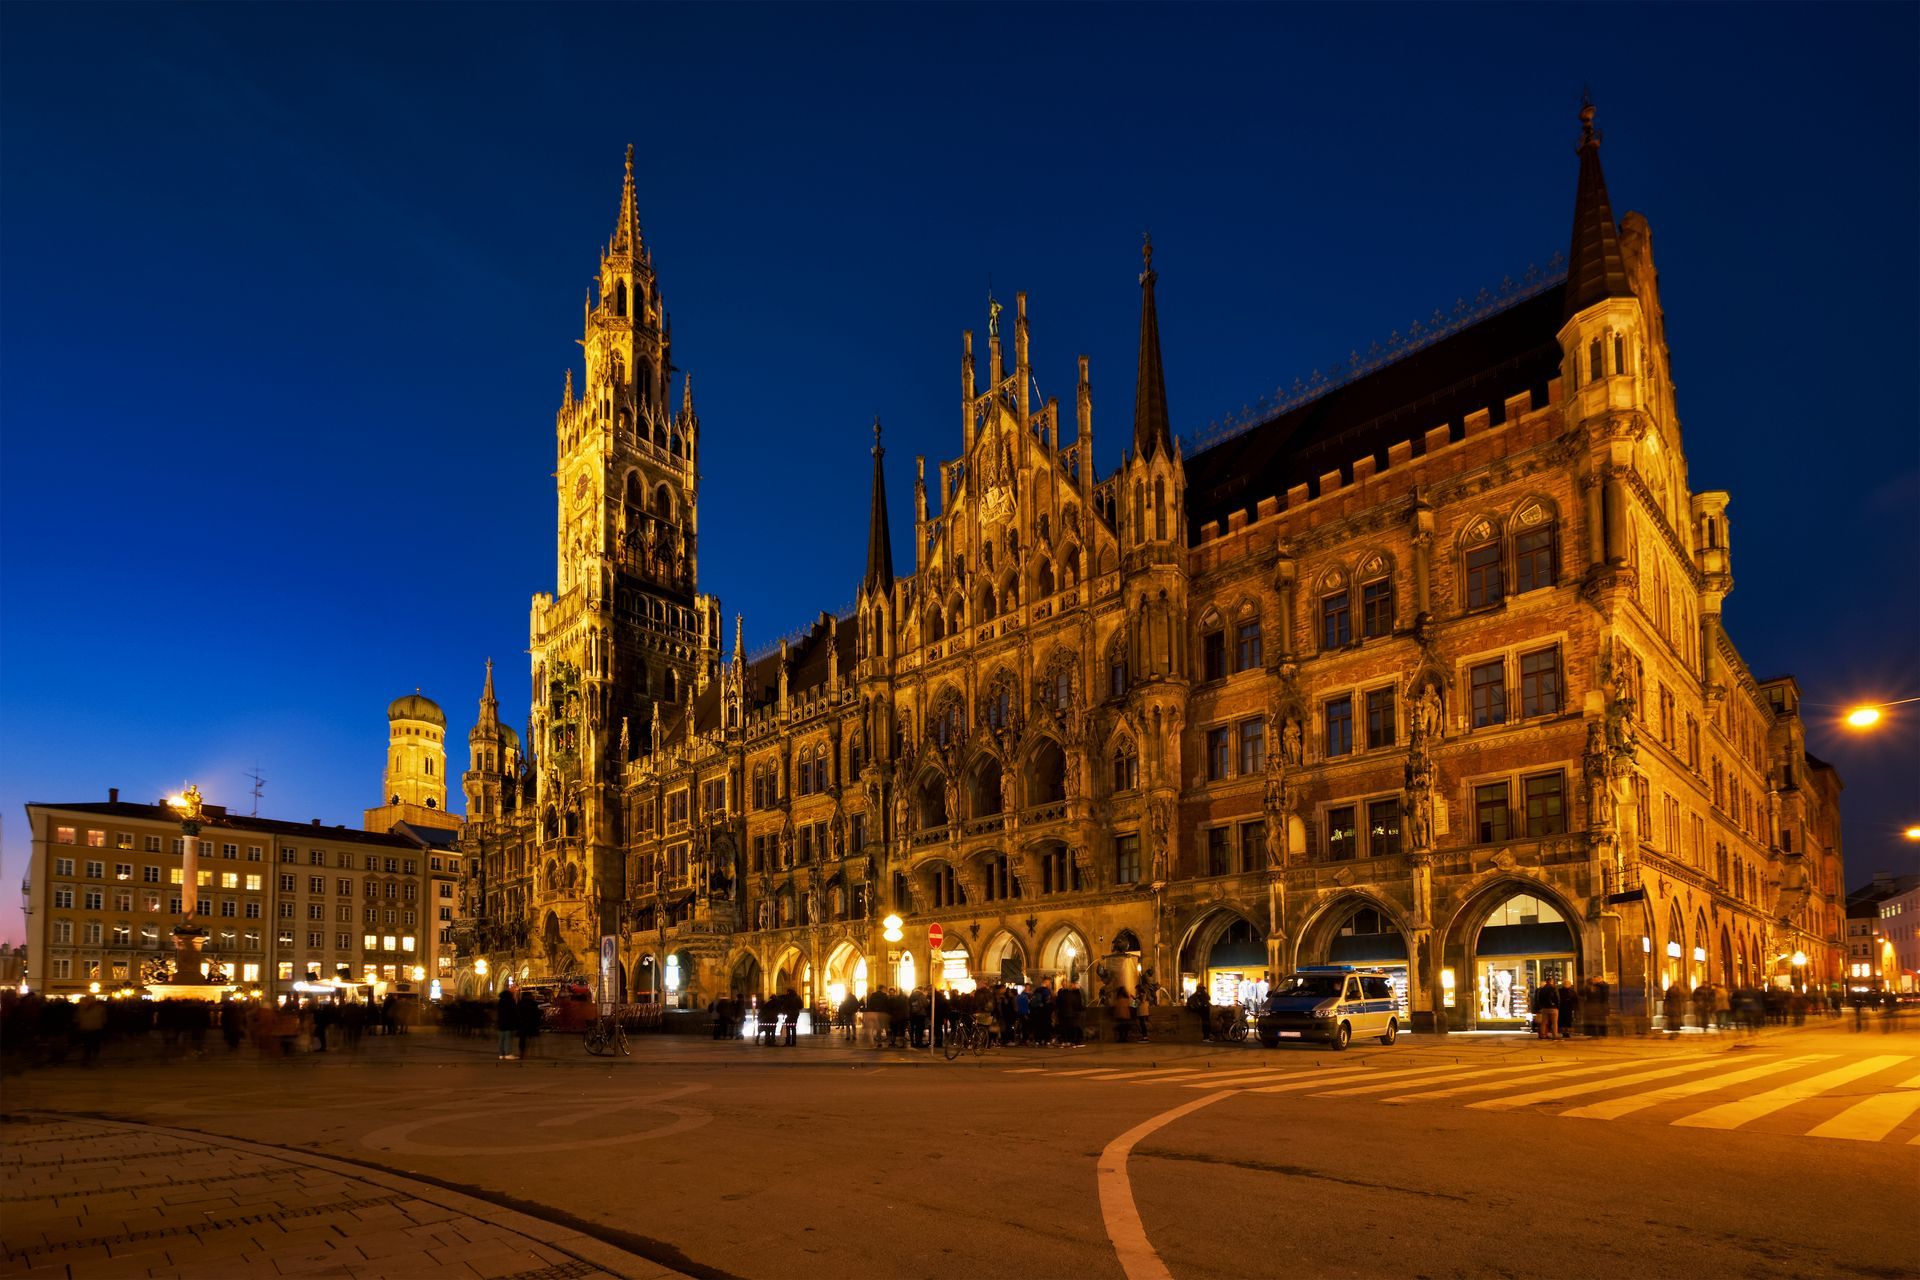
[{"x": 1330, "y": 1002}]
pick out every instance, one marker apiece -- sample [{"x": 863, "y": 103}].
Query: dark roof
[
  {"x": 219, "y": 819},
  {"x": 1151, "y": 429},
  {"x": 1595, "y": 269},
  {"x": 1480, "y": 367},
  {"x": 434, "y": 837},
  {"x": 807, "y": 659}
]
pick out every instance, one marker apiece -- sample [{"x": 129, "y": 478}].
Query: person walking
[
  {"x": 1042, "y": 1005},
  {"x": 506, "y": 1017},
  {"x": 1546, "y": 1011},
  {"x": 527, "y": 1022}
]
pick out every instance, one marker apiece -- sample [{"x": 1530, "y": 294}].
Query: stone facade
[{"x": 1423, "y": 667}]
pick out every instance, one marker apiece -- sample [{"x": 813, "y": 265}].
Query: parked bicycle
[
  {"x": 964, "y": 1037},
  {"x": 606, "y": 1035}
]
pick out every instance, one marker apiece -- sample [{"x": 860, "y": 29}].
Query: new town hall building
[{"x": 1422, "y": 667}]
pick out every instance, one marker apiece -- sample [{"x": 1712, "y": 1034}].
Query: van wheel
[
  {"x": 1393, "y": 1029},
  {"x": 1342, "y": 1036},
  {"x": 1269, "y": 1041}
]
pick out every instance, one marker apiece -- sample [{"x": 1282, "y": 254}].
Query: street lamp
[{"x": 1867, "y": 715}]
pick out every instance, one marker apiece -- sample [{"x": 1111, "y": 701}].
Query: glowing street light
[
  {"x": 1868, "y": 715},
  {"x": 891, "y": 925},
  {"x": 1912, "y": 833}
]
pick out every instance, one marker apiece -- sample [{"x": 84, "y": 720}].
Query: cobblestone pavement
[{"x": 95, "y": 1198}]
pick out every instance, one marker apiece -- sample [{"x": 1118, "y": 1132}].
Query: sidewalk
[{"x": 101, "y": 1198}]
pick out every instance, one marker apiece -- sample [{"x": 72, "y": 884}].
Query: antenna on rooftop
[{"x": 259, "y": 785}]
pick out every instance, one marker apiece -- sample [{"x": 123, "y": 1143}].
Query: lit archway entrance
[
  {"x": 1063, "y": 957},
  {"x": 744, "y": 982},
  {"x": 1227, "y": 953},
  {"x": 846, "y": 975},
  {"x": 1523, "y": 942},
  {"x": 1002, "y": 960}
]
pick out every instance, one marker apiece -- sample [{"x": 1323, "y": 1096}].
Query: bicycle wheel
[
  {"x": 620, "y": 1038},
  {"x": 595, "y": 1040},
  {"x": 955, "y": 1044}
]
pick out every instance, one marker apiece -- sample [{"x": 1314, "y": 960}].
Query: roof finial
[
  {"x": 629, "y": 160},
  {"x": 876, "y": 435},
  {"x": 1146, "y": 251},
  {"x": 1589, "y": 136}
]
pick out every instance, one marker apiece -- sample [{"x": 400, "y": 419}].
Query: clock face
[{"x": 580, "y": 485}]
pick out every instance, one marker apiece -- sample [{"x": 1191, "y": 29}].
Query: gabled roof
[{"x": 1512, "y": 351}]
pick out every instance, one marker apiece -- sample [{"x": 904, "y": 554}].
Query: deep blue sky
[{"x": 287, "y": 293}]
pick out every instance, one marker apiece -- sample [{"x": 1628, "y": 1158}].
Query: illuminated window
[
  {"x": 1341, "y": 843},
  {"x": 1383, "y": 828},
  {"x": 97, "y": 839},
  {"x": 63, "y": 835}
]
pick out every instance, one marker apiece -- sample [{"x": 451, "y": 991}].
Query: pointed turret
[
  {"x": 1151, "y": 431},
  {"x": 740, "y": 640},
  {"x": 686, "y": 398},
  {"x": 626, "y": 232},
  {"x": 879, "y": 532},
  {"x": 1595, "y": 269}
]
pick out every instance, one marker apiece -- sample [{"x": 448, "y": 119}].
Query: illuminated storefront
[{"x": 1524, "y": 943}]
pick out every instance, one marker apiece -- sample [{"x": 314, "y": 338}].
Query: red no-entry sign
[{"x": 934, "y": 936}]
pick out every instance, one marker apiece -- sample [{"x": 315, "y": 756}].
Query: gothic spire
[
  {"x": 879, "y": 532},
  {"x": 489, "y": 705},
  {"x": 1150, "y": 428},
  {"x": 686, "y": 398},
  {"x": 626, "y": 232},
  {"x": 1595, "y": 269}
]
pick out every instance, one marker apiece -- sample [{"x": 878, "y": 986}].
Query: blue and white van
[{"x": 1330, "y": 1002}]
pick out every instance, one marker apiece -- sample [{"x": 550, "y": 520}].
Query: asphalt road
[{"x": 1792, "y": 1154}]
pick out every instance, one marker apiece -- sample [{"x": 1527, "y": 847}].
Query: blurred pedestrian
[
  {"x": 507, "y": 1019},
  {"x": 527, "y": 1022},
  {"x": 1122, "y": 1008},
  {"x": 1569, "y": 1006},
  {"x": 1546, "y": 1011}
]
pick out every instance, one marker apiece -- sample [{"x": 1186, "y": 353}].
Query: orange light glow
[{"x": 1863, "y": 717}]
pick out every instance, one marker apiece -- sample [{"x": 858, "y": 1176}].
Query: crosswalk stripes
[
  {"x": 1872, "y": 1119},
  {"x": 1731, "y": 1115},
  {"x": 1636, "y": 1084},
  {"x": 1515, "y": 1100},
  {"x": 1613, "y": 1108},
  {"x": 1460, "y": 1072},
  {"x": 1556, "y": 1073}
]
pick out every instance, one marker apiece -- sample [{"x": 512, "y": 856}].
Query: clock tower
[{"x": 625, "y": 628}]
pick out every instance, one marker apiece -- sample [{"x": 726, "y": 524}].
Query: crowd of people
[
  {"x": 890, "y": 1017},
  {"x": 35, "y": 1030}
]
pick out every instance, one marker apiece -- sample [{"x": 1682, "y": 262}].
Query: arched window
[
  {"x": 1118, "y": 676},
  {"x": 936, "y": 624},
  {"x": 1160, "y": 509},
  {"x": 999, "y": 705},
  {"x": 1126, "y": 767},
  {"x": 662, "y": 503},
  {"x": 1043, "y": 580},
  {"x": 1139, "y": 512},
  {"x": 620, "y": 298}
]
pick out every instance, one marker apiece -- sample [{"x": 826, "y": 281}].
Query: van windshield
[{"x": 1323, "y": 986}]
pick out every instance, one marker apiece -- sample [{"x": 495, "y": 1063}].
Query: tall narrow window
[
  {"x": 1489, "y": 685},
  {"x": 1340, "y": 833},
  {"x": 1379, "y": 718},
  {"x": 1534, "y": 561},
  {"x": 1596, "y": 356},
  {"x": 1484, "y": 587},
  {"x": 1253, "y": 746},
  {"x": 1336, "y": 621},
  {"x": 1213, "y": 655},
  {"x": 1218, "y": 852},
  {"x": 1546, "y": 805},
  {"x": 1490, "y": 812},
  {"x": 1246, "y": 646},
  {"x": 1376, "y": 608},
  {"x": 1126, "y": 859},
  {"x": 1540, "y": 683},
  {"x": 1383, "y": 828},
  {"x": 1340, "y": 727},
  {"x": 1219, "y": 754}
]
